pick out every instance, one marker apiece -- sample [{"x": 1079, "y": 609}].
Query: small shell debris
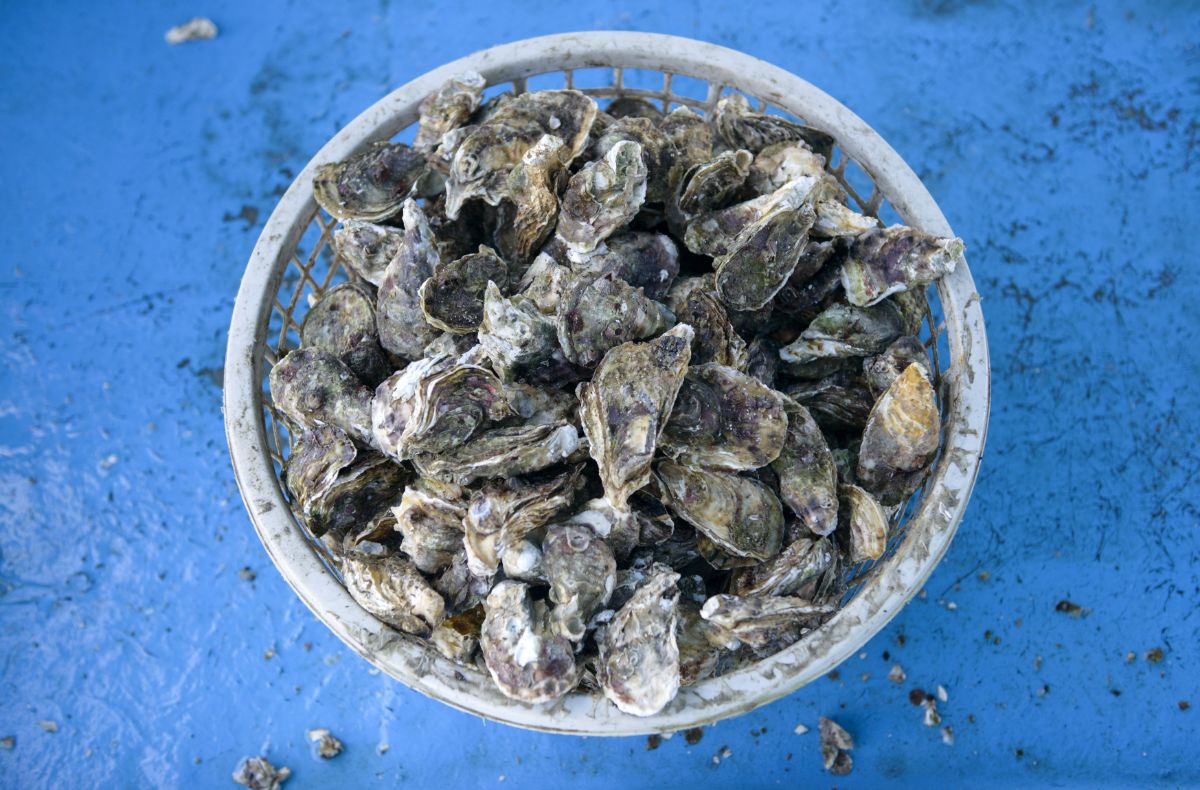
[
  {"x": 724, "y": 754},
  {"x": 195, "y": 29},
  {"x": 48, "y": 725},
  {"x": 948, "y": 735},
  {"x": 257, "y": 773},
  {"x": 836, "y": 744},
  {"x": 942, "y": 695},
  {"x": 932, "y": 717},
  {"x": 328, "y": 746},
  {"x": 1155, "y": 655},
  {"x": 8, "y": 742},
  {"x": 1069, "y": 607},
  {"x": 897, "y": 674},
  {"x": 800, "y": 729}
]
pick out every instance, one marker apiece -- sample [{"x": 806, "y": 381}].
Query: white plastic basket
[{"x": 293, "y": 260}]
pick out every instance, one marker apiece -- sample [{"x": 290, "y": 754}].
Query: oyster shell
[
  {"x": 726, "y": 419},
  {"x": 541, "y": 405},
  {"x": 449, "y": 407},
  {"x": 342, "y": 322},
  {"x": 526, "y": 659},
  {"x": 715, "y": 339},
  {"x": 358, "y": 494},
  {"x": 762, "y": 360},
  {"x": 633, "y": 107},
  {"x": 844, "y": 330},
  {"x": 655, "y": 150},
  {"x": 885, "y": 261},
  {"x": 452, "y": 298},
  {"x": 649, "y": 261},
  {"x": 706, "y": 187},
  {"x": 502, "y": 452},
  {"x": 503, "y": 513},
  {"x": 448, "y": 108},
  {"x": 739, "y": 127},
  {"x": 625, "y": 407},
  {"x": 514, "y": 333},
  {"x": 766, "y": 252},
  {"x": 902, "y": 435},
  {"x": 779, "y": 163},
  {"x": 544, "y": 283},
  {"x": 836, "y": 220},
  {"x": 371, "y": 186},
  {"x": 602, "y": 197},
  {"x": 799, "y": 565},
  {"x": 700, "y": 643},
  {"x": 838, "y": 402},
  {"x": 582, "y": 571},
  {"x": 602, "y": 312},
  {"x": 815, "y": 284},
  {"x": 401, "y": 323},
  {"x": 481, "y": 157},
  {"x": 807, "y": 475},
  {"x": 619, "y": 527},
  {"x": 392, "y": 589},
  {"x": 457, "y": 638},
  {"x": 881, "y": 370},
  {"x": 430, "y": 517},
  {"x": 318, "y": 457},
  {"x": 638, "y": 665},
  {"x": 366, "y": 249},
  {"x": 691, "y": 142},
  {"x": 765, "y": 623},
  {"x": 533, "y": 190},
  {"x": 312, "y": 387},
  {"x": 864, "y": 523},
  {"x": 739, "y": 514}
]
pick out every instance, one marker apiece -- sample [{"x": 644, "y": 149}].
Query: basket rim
[{"x": 930, "y": 528}]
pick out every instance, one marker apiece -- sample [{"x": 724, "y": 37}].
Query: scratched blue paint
[{"x": 1061, "y": 141}]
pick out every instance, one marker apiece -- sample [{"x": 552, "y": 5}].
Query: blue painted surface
[{"x": 1061, "y": 142}]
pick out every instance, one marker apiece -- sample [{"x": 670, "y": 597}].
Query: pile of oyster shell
[{"x": 612, "y": 398}]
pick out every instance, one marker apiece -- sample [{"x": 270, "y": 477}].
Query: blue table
[{"x": 142, "y": 619}]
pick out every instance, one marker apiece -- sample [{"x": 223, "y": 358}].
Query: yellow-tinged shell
[
  {"x": 865, "y": 524},
  {"x": 903, "y": 430}
]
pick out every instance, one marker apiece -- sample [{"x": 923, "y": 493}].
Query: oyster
[
  {"x": 739, "y": 127},
  {"x": 715, "y": 339},
  {"x": 533, "y": 191},
  {"x": 371, "y": 186},
  {"x": 358, "y": 494},
  {"x": 602, "y": 197},
  {"x": 764, "y": 255},
  {"x": 765, "y": 623},
  {"x": 449, "y": 406},
  {"x": 902, "y": 435},
  {"x": 526, "y": 659},
  {"x": 801, "y": 564},
  {"x": 700, "y": 643},
  {"x": 619, "y": 527},
  {"x": 452, "y": 298},
  {"x": 625, "y": 407},
  {"x": 726, "y": 419},
  {"x": 401, "y": 323},
  {"x": 638, "y": 665},
  {"x": 312, "y": 387},
  {"x": 481, "y": 157},
  {"x": 844, "y": 330},
  {"x": 691, "y": 143},
  {"x": 396, "y": 399},
  {"x": 815, "y": 284},
  {"x": 342, "y": 322},
  {"x": 881, "y": 370},
  {"x": 840, "y": 401},
  {"x": 504, "y": 513},
  {"x": 502, "y": 452},
  {"x": 582, "y": 571},
  {"x": 448, "y": 108},
  {"x": 316, "y": 460},
  {"x": 707, "y": 186},
  {"x": 392, "y": 589},
  {"x": 457, "y": 638},
  {"x": 739, "y": 514},
  {"x": 779, "y": 163},
  {"x": 544, "y": 283},
  {"x": 836, "y": 220},
  {"x": 864, "y": 523},
  {"x": 762, "y": 359},
  {"x": 366, "y": 249},
  {"x": 655, "y": 151},
  {"x": 807, "y": 475},
  {"x": 885, "y": 261},
  {"x": 649, "y": 261},
  {"x": 602, "y": 312},
  {"x": 633, "y": 107},
  {"x": 542, "y": 405},
  {"x": 514, "y": 333},
  {"x": 430, "y": 517}
]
